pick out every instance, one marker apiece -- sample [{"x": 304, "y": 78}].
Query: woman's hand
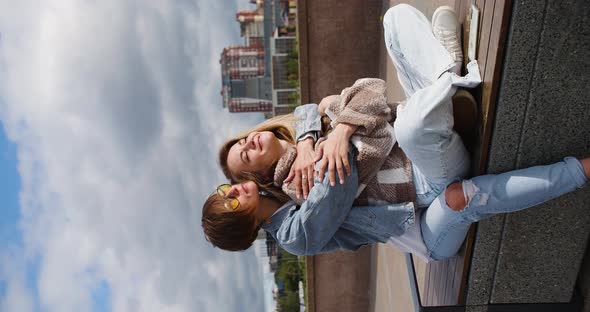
[
  {"x": 333, "y": 153},
  {"x": 302, "y": 169}
]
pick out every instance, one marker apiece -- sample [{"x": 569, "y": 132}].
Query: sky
[{"x": 111, "y": 118}]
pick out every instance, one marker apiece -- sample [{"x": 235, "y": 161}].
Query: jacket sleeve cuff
[{"x": 308, "y": 121}]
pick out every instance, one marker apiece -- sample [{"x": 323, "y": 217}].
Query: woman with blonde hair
[{"x": 281, "y": 128}]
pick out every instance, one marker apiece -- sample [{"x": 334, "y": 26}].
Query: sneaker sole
[{"x": 440, "y": 9}]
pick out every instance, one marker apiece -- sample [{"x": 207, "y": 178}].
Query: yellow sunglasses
[{"x": 230, "y": 203}]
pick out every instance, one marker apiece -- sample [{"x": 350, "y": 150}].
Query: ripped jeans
[
  {"x": 444, "y": 229},
  {"x": 424, "y": 131}
]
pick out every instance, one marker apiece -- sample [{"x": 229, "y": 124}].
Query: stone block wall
[{"x": 543, "y": 114}]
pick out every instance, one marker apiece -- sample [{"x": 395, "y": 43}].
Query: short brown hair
[{"x": 228, "y": 230}]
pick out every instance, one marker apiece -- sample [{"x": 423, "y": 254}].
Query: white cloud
[
  {"x": 115, "y": 109},
  {"x": 18, "y": 297}
]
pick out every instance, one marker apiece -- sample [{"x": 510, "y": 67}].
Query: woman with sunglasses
[{"x": 327, "y": 220}]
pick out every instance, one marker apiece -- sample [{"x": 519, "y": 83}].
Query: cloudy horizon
[{"x": 115, "y": 113}]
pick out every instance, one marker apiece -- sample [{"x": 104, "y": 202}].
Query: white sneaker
[{"x": 447, "y": 30}]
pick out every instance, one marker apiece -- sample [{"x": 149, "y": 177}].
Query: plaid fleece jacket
[{"x": 385, "y": 174}]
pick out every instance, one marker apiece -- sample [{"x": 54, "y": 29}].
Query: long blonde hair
[{"x": 283, "y": 128}]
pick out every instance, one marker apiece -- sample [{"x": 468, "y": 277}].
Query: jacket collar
[{"x": 277, "y": 218}]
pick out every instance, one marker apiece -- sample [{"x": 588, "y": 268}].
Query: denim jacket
[
  {"x": 327, "y": 221},
  {"x": 309, "y": 122}
]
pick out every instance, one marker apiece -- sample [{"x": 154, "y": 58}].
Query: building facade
[
  {"x": 262, "y": 74},
  {"x": 244, "y": 87}
]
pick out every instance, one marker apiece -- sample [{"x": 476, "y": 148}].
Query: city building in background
[
  {"x": 262, "y": 75},
  {"x": 244, "y": 87}
]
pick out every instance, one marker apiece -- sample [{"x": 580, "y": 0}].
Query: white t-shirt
[{"x": 411, "y": 241}]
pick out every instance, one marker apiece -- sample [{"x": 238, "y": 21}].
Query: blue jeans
[
  {"x": 444, "y": 229},
  {"x": 424, "y": 131}
]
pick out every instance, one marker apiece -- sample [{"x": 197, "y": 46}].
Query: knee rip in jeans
[{"x": 459, "y": 194}]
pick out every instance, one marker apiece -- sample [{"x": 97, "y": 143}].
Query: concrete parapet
[{"x": 339, "y": 42}]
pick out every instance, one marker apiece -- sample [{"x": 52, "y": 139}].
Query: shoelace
[{"x": 450, "y": 41}]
